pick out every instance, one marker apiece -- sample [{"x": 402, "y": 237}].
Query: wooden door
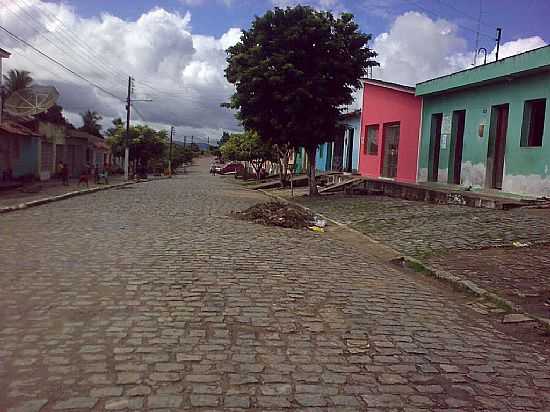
[
  {"x": 390, "y": 153},
  {"x": 435, "y": 147},
  {"x": 497, "y": 146}
]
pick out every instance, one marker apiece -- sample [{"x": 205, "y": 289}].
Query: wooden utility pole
[
  {"x": 170, "y": 152},
  {"x": 127, "y": 139}
]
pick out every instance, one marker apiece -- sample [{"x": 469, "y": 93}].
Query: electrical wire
[
  {"x": 70, "y": 49},
  {"x": 73, "y": 38},
  {"x": 433, "y": 13},
  {"x": 16, "y": 37}
]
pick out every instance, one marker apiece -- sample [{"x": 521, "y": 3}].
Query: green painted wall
[{"x": 526, "y": 169}]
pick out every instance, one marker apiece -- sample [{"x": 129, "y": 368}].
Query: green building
[{"x": 488, "y": 127}]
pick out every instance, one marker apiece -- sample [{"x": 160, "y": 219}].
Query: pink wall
[{"x": 383, "y": 105}]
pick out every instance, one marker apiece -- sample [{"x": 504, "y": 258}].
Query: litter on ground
[{"x": 277, "y": 214}]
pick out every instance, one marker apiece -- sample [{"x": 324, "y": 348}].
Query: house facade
[
  {"x": 390, "y": 131},
  {"x": 19, "y": 150},
  {"x": 487, "y": 127},
  {"x": 345, "y": 157}
]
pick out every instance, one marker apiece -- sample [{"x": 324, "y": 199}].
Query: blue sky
[{"x": 518, "y": 18}]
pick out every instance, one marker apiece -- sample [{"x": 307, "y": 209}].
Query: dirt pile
[{"x": 276, "y": 214}]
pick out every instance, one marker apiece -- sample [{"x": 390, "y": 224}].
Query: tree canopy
[
  {"x": 294, "y": 71},
  {"x": 248, "y": 147},
  {"x": 16, "y": 80},
  {"x": 90, "y": 122},
  {"x": 145, "y": 143}
]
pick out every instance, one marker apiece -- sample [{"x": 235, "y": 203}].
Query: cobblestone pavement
[
  {"x": 419, "y": 229},
  {"x": 523, "y": 274},
  {"x": 151, "y": 298},
  {"x": 474, "y": 244}
]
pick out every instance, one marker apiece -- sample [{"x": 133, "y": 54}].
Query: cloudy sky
[{"x": 175, "y": 49}]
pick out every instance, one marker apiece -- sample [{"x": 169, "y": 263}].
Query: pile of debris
[{"x": 277, "y": 214}]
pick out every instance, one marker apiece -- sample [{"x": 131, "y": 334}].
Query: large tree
[
  {"x": 294, "y": 71},
  {"x": 16, "y": 80},
  {"x": 90, "y": 122}
]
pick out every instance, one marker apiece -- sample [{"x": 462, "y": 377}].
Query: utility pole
[
  {"x": 129, "y": 101},
  {"x": 127, "y": 140},
  {"x": 170, "y": 155},
  {"x": 192, "y": 140},
  {"x": 3, "y": 55},
  {"x": 499, "y": 35},
  {"x": 184, "y": 142}
]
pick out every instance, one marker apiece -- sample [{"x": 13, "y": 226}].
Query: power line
[
  {"x": 16, "y": 37},
  {"x": 73, "y": 38},
  {"x": 432, "y": 12},
  {"x": 90, "y": 61}
]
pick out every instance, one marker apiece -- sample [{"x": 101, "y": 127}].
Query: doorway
[
  {"x": 497, "y": 146},
  {"x": 390, "y": 150},
  {"x": 435, "y": 146},
  {"x": 349, "y": 158},
  {"x": 457, "y": 143}
]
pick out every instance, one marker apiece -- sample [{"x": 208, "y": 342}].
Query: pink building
[{"x": 390, "y": 125}]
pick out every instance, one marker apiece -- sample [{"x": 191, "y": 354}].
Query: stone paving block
[
  {"x": 75, "y": 403},
  {"x": 199, "y": 311}
]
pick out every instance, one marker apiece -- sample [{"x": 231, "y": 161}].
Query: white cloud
[
  {"x": 183, "y": 73},
  {"x": 417, "y": 48}
]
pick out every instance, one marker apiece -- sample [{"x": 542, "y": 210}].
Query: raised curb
[
  {"x": 455, "y": 281},
  {"x": 64, "y": 196}
]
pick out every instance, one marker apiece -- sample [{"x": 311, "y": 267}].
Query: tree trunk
[
  {"x": 282, "y": 155},
  {"x": 311, "y": 151}
]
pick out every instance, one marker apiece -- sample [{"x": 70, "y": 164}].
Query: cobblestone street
[
  {"x": 474, "y": 244},
  {"x": 151, "y": 298}
]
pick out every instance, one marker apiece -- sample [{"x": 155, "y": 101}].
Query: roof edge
[{"x": 390, "y": 85}]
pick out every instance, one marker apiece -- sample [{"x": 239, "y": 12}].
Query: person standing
[{"x": 65, "y": 174}]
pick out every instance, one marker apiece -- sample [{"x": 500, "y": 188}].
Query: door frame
[
  {"x": 349, "y": 157},
  {"x": 435, "y": 146},
  {"x": 383, "y": 148},
  {"x": 456, "y": 146},
  {"x": 496, "y": 146}
]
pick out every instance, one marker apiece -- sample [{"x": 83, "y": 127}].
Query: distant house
[
  {"x": 340, "y": 155},
  {"x": 19, "y": 148},
  {"x": 488, "y": 126},
  {"x": 346, "y": 146},
  {"x": 390, "y": 131}
]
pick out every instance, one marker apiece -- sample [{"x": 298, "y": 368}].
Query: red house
[{"x": 390, "y": 123}]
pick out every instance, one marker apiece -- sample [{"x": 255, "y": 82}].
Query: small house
[
  {"x": 488, "y": 127},
  {"x": 19, "y": 150},
  {"x": 390, "y": 131}
]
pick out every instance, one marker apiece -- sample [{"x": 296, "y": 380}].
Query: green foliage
[
  {"x": 247, "y": 147},
  {"x": 145, "y": 143},
  {"x": 17, "y": 80},
  {"x": 90, "y": 122},
  {"x": 294, "y": 71}
]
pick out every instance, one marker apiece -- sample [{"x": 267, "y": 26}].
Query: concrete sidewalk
[{"x": 40, "y": 190}]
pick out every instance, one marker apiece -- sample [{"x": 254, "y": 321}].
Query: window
[
  {"x": 321, "y": 151},
  {"x": 371, "y": 143},
  {"x": 533, "y": 123}
]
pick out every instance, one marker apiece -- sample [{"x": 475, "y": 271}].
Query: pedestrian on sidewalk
[{"x": 65, "y": 174}]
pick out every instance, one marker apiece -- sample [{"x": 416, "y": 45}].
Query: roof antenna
[
  {"x": 499, "y": 35},
  {"x": 477, "y": 33}
]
